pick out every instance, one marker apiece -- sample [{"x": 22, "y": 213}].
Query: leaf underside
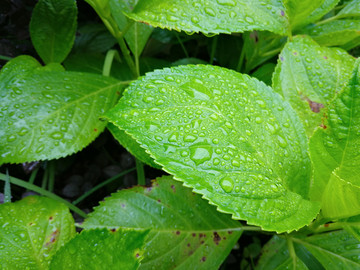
[
  {"x": 32, "y": 230},
  {"x": 182, "y": 225},
  {"x": 50, "y": 114},
  {"x": 226, "y": 135}
]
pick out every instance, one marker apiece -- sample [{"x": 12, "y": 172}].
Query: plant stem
[
  {"x": 241, "y": 59},
  {"x": 43, "y": 192},
  {"x": 182, "y": 45},
  {"x": 45, "y": 178},
  {"x": 109, "y": 58},
  {"x": 140, "y": 172},
  {"x": 7, "y": 58},
  {"x": 33, "y": 176},
  {"x": 91, "y": 191},
  {"x": 7, "y": 188},
  {"x": 51, "y": 176},
  {"x": 213, "y": 49},
  {"x": 291, "y": 249},
  {"x": 126, "y": 53}
]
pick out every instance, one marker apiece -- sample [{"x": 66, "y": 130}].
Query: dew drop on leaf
[
  {"x": 57, "y": 135},
  {"x": 210, "y": 11},
  {"x": 227, "y": 184}
]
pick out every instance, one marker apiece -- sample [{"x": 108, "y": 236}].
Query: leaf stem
[
  {"x": 213, "y": 49},
  {"x": 91, "y": 191},
  {"x": 109, "y": 58},
  {"x": 7, "y": 188},
  {"x": 45, "y": 178},
  {"x": 241, "y": 59},
  {"x": 33, "y": 176},
  {"x": 182, "y": 45},
  {"x": 43, "y": 192},
  {"x": 140, "y": 172},
  {"x": 291, "y": 249},
  {"x": 126, "y": 53},
  {"x": 7, "y": 58},
  {"x": 51, "y": 176}
]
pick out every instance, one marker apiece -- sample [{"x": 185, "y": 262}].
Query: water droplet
[
  {"x": 282, "y": 141},
  {"x": 200, "y": 153},
  {"x": 158, "y": 138},
  {"x": 173, "y": 137},
  {"x": 11, "y": 138},
  {"x": 40, "y": 149},
  {"x": 184, "y": 153},
  {"x": 214, "y": 116},
  {"x": 148, "y": 99},
  {"x": 23, "y": 131},
  {"x": 216, "y": 161},
  {"x": 172, "y": 18},
  {"x": 258, "y": 120},
  {"x": 215, "y": 141},
  {"x": 189, "y": 138},
  {"x": 235, "y": 163},
  {"x": 227, "y": 184},
  {"x": 228, "y": 125},
  {"x": 57, "y": 135},
  {"x": 210, "y": 11},
  {"x": 226, "y": 2},
  {"x": 195, "y": 19},
  {"x": 249, "y": 19}
]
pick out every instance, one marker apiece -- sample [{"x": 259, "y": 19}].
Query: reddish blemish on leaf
[
  {"x": 95, "y": 129},
  {"x": 53, "y": 237},
  {"x": 113, "y": 230},
  {"x": 137, "y": 255},
  {"x": 177, "y": 232},
  {"x": 203, "y": 259},
  {"x": 326, "y": 225},
  {"x": 159, "y": 200},
  {"x": 325, "y": 57},
  {"x": 194, "y": 234},
  {"x": 295, "y": 53},
  {"x": 323, "y": 126},
  {"x": 314, "y": 106},
  {"x": 230, "y": 232},
  {"x": 123, "y": 205},
  {"x": 217, "y": 238},
  {"x": 173, "y": 188},
  {"x": 202, "y": 242},
  {"x": 118, "y": 93},
  {"x": 50, "y": 218},
  {"x": 282, "y": 13},
  {"x": 188, "y": 245}
]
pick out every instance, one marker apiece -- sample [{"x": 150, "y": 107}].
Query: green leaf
[
  {"x": 275, "y": 255},
  {"x": 353, "y": 226},
  {"x": 303, "y": 12},
  {"x": 131, "y": 145},
  {"x": 139, "y": 33},
  {"x": 50, "y": 114},
  {"x": 184, "y": 227},
  {"x": 308, "y": 76},
  {"x": 101, "y": 249},
  {"x": 336, "y": 164},
  {"x": 226, "y": 135},
  {"x": 352, "y": 8},
  {"x": 264, "y": 73},
  {"x": 215, "y": 16},
  {"x": 335, "y": 33},
  {"x": 52, "y": 29},
  {"x": 332, "y": 249},
  {"x": 32, "y": 230}
]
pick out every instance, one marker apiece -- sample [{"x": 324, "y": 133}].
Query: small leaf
[
  {"x": 50, "y": 114},
  {"x": 275, "y": 255},
  {"x": 215, "y": 16},
  {"x": 52, "y": 29},
  {"x": 335, "y": 33},
  {"x": 308, "y": 76},
  {"x": 228, "y": 136},
  {"x": 332, "y": 249},
  {"x": 139, "y": 33},
  {"x": 101, "y": 249},
  {"x": 131, "y": 145},
  {"x": 307, "y": 11},
  {"x": 352, "y": 8},
  {"x": 336, "y": 164},
  {"x": 183, "y": 226},
  {"x": 32, "y": 230}
]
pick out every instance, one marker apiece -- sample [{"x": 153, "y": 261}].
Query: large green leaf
[
  {"x": 32, "y": 230},
  {"x": 352, "y": 225},
  {"x": 335, "y": 33},
  {"x": 49, "y": 114},
  {"x": 138, "y": 34},
  {"x": 214, "y": 16},
  {"x": 308, "y": 76},
  {"x": 131, "y": 145},
  {"x": 352, "y": 8},
  {"x": 52, "y": 29},
  {"x": 101, "y": 249},
  {"x": 226, "y": 135},
  {"x": 334, "y": 250},
  {"x": 185, "y": 230},
  {"x": 303, "y": 12},
  {"x": 333, "y": 152}
]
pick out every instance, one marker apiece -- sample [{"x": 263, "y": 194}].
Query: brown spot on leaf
[
  {"x": 326, "y": 225},
  {"x": 217, "y": 238},
  {"x": 177, "y": 232},
  {"x": 173, "y": 188},
  {"x": 113, "y": 230},
  {"x": 314, "y": 106},
  {"x": 51, "y": 218},
  {"x": 95, "y": 129},
  {"x": 229, "y": 232},
  {"x": 203, "y": 259},
  {"x": 193, "y": 235}
]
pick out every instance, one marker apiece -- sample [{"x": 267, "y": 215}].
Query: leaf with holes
[
  {"x": 308, "y": 76},
  {"x": 52, "y": 29},
  {"x": 182, "y": 225},
  {"x": 101, "y": 249},
  {"x": 215, "y": 16},
  {"x": 50, "y": 114},
  {"x": 226, "y": 135},
  {"x": 333, "y": 152},
  {"x": 32, "y": 230}
]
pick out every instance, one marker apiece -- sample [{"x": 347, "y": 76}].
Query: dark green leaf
[
  {"x": 336, "y": 162},
  {"x": 50, "y": 114},
  {"x": 352, "y": 8},
  {"x": 32, "y": 230},
  {"x": 101, "y": 249},
  {"x": 52, "y": 29},
  {"x": 264, "y": 73},
  {"x": 185, "y": 230},
  {"x": 215, "y": 16},
  {"x": 308, "y": 76},
  {"x": 226, "y": 135}
]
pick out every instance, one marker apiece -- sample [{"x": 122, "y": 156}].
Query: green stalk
[
  {"x": 43, "y": 192},
  {"x": 91, "y": 191},
  {"x": 241, "y": 59},
  {"x": 140, "y": 172},
  {"x": 33, "y": 176},
  {"x": 291, "y": 249},
  {"x": 7, "y": 188},
  {"x": 45, "y": 178},
  {"x": 6, "y": 58},
  {"x": 213, "y": 49},
  {"x": 51, "y": 176},
  {"x": 182, "y": 45},
  {"x": 108, "y": 62}
]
